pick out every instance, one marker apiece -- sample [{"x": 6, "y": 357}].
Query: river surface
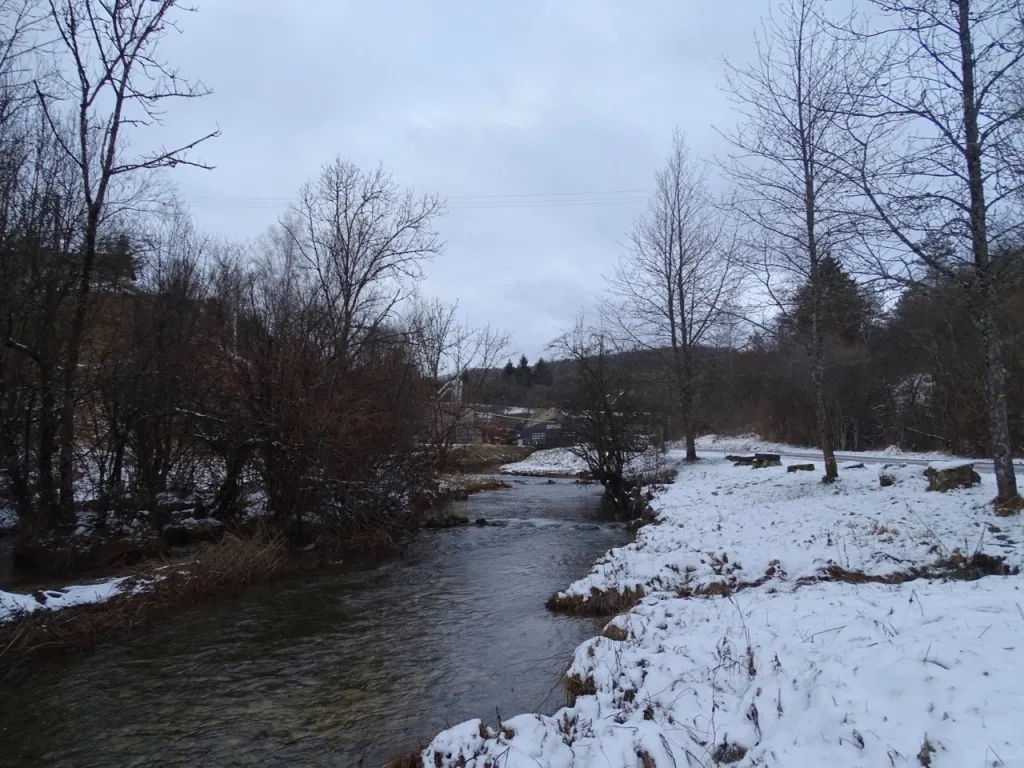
[{"x": 347, "y": 666}]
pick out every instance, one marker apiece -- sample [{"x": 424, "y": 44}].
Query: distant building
[{"x": 548, "y": 428}]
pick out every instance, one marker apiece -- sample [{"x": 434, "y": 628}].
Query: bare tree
[
  {"x": 606, "y": 408},
  {"x": 939, "y": 161},
  {"x": 363, "y": 242},
  {"x": 454, "y": 357},
  {"x": 678, "y": 281},
  {"x": 791, "y": 100},
  {"x": 109, "y": 83}
]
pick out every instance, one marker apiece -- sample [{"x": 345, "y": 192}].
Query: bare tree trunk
[
  {"x": 821, "y": 415},
  {"x": 47, "y": 444},
  {"x": 71, "y": 362},
  {"x": 818, "y": 374},
  {"x": 1007, "y": 497}
]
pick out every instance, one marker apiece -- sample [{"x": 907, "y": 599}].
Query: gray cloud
[{"x": 469, "y": 99}]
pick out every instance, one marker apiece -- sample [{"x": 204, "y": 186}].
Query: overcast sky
[{"x": 542, "y": 121}]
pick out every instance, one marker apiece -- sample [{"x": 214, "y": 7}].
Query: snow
[
  {"x": 14, "y": 605},
  {"x": 795, "y": 671},
  {"x": 835, "y": 674},
  {"x": 751, "y": 443},
  {"x": 552, "y": 460},
  {"x": 946, "y": 465},
  {"x": 724, "y": 523},
  {"x": 562, "y": 461}
]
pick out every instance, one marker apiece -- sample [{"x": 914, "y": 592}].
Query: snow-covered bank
[
  {"x": 829, "y": 675},
  {"x": 562, "y": 462},
  {"x": 770, "y": 667},
  {"x": 15, "y": 605},
  {"x": 553, "y": 461},
  {"x": 720, "y": 523}
]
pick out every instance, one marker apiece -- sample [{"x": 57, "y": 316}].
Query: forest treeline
[{"x": 909, "y": 375}]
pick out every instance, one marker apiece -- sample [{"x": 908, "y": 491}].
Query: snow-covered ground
[
  {"x": 562, "y": 461},
  {"x": 14, "y": 605},
  {"x": 773, "y": 668},
  {"x": 553, "y": 460},
  {"x": 751, "y": 443},
  {"x": 723, "y": 523}
]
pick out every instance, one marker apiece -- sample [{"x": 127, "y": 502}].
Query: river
[{"x": 346, "y": 666}]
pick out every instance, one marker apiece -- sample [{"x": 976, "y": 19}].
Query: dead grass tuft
[
  {"x": 576, "y": 686},
  {"x": 613, "y": 632},
  {"x": 1009, "y": 508},
  {"x": 924, "y": 757},
  {"x": 957, "y": 567},
  {"x": 881, "y": 529},
  {"x": 729, "y": 752},
  {"x": 717, "y": 589},
  {"x": 646, "y": 761},
  {"x": 215, "y": 569},
  {"x": 610, "y": 602}
]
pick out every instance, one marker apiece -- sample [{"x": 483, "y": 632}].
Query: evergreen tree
[
  {"x": 510, "y": 369},
  {"x": 847, "y": 308},
  {"x": 542, "y": 373},
  {"x": 523, "y": 371}
]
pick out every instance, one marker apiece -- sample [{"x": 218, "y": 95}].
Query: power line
[{"x": 465, "y": 202}]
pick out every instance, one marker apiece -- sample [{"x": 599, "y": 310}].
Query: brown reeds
[
  {"x": 148, "y": 596},
  {"x": 608, "y": 602}
]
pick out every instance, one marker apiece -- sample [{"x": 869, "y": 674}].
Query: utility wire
[{"x": 465, "y": 202}]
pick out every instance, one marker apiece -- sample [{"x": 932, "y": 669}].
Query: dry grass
[
  {"x": 924, "y": 757},
  {"x": 599, "y": 603},
  {"x": 613, "y": 632},
  {"x": 576, "y": 686},
  {"x": 1009, "y": 508},
  {"x": 957, "y": 567},
  {"x": 726, "y": 753},
  {"x": 216, "y": 569},
  {"x": 463, "y": 486},
  {"x": 881, "y": 529},
  {"x": 480, "y": 458}
]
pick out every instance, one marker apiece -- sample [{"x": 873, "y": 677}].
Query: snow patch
[{"x": 14, "y": 605}]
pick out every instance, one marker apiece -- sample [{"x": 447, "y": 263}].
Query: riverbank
[
  {"x": 783, "y": 622},
  {"x": 47, "y": 622}
]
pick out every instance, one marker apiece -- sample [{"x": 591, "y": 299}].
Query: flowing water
[{"x": 343, "y": 667}]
